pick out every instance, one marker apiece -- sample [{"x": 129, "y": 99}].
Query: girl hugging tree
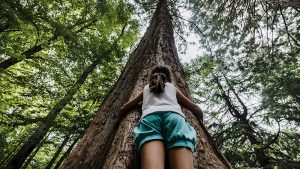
[{"x": 163, "y": 126}]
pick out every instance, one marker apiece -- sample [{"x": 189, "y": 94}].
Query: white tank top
[{"x": 165, "y": 101}]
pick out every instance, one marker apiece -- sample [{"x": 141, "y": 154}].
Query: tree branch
[{"x": 287, "y": 30}]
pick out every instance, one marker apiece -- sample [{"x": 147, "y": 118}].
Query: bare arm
[
  {"x": 195, "y": 109},
  {"x": 130, "y": 104}
]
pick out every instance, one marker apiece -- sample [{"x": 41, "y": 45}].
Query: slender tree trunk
[
  {"x": 39, "y": 134},
  {"x": 35, "y": 151},
  {"x": 108, "y": 142},
  {"x": 13, "y": 60},
  {"x": 66, "y": 153},
  {"x": 63, "y": 144},
  {"x": 7, "y": 158}
]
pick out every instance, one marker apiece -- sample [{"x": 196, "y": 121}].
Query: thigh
[
  {"x": 153, "y": 155},
  {"x": 180, "y": 158},
  {"x": 149, "y": 128}
]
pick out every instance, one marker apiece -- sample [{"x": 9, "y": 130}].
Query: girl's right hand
[
  {"x": 130, "y": 104},
  {"x": 122, "y": 109}
]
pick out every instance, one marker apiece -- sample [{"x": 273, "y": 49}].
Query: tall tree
[
  {"x": 43, "y": 128},
  {"x": 108, "y": 142},
  {"x": 31, "y": 88},
  {"x": 30, "y": 158},
  {"x": 248, "y": 76}
]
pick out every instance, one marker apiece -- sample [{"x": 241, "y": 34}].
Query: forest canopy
[{"x": 59, "y": 59}]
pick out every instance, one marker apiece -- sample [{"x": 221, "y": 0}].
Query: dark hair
[{"x": 160, "y": 74}]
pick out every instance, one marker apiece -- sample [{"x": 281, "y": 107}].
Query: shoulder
[
  {"x": 146, "y": 87},
  {"x": 170, "y": 84}
]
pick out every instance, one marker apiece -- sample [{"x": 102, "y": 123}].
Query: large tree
[
  {"x": 40, "y": 94},
  {"x": 248, "y": 78},
  {"x": 108, "y": 142}
]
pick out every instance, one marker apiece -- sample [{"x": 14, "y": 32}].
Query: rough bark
[
  {"x": 108, "y": 142},
  {"x": 40, "y": 132}
]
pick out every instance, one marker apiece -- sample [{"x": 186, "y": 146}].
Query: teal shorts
[{"x": 170, "y": 127}]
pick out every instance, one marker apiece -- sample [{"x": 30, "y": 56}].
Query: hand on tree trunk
[
  {"x": 129, "y": 105},
  {"x": 121, "y": 112},
  {"x": 198, "y": 113}
]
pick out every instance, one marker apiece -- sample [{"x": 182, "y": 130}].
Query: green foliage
[
  {"x": 72, "y": 34},
  {"x": 250, "y": 55},
  {"x": 247, "y": 79}
]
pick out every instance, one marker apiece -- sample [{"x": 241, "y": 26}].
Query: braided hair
[{"x": 160, "y": 74}]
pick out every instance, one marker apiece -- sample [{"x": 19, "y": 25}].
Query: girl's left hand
[
  {"x": 198, "y": 113},
  {"x": 199, "y": 117}
]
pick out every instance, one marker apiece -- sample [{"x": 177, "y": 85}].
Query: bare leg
[
  {"x": 153, "y": 155},
  {"x": 180, "y": 158}
]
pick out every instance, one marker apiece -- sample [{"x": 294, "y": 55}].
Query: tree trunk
[
  {"x": 108, "y": 142},
  {"x": 66, "y": 153},
  {"x": 63, "y": 144},
  {"x": 35, "y": 151},
  {"x": 9, "y": 156},
  {"x": 13, "y": 60},
  {"x": 19, "y": 158}
]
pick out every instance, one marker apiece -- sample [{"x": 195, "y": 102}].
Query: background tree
[
  {"x": 31, "y": 87},
  {"x": 246, "y": 76}
]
